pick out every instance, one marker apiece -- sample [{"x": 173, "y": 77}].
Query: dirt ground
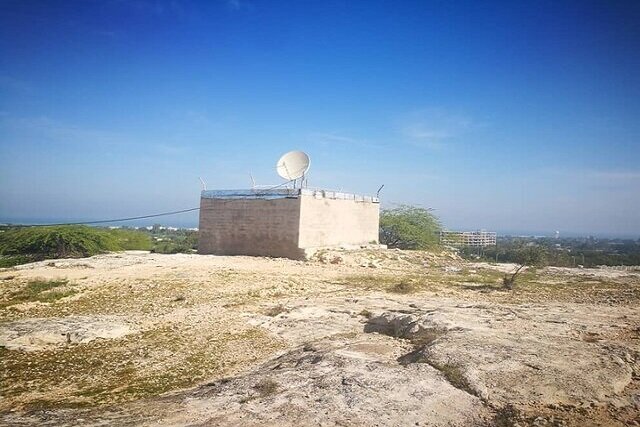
[{"x": 369, "y": 337}]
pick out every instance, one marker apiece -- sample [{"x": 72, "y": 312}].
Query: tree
[
  {"x": 409, "y": 227},
  {"x": 526, "y": 256}
]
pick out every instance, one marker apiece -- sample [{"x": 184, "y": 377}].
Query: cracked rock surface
[{"x": 421, "y": 339}]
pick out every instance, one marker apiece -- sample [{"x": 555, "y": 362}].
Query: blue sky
[{"x": 500, "y": 115}]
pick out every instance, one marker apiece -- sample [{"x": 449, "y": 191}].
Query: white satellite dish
[{"x": 293, "y": 165}]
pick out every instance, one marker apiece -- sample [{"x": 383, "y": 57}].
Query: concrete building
[
  {"x": 290, "y": 223},
  {"x": 468, "y": 238}
]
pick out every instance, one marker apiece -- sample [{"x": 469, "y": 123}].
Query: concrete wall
[
  {"x": 333, "y": 222},
  {"x": 284, "y": 226},
  {"x": 250, "y": 227}
]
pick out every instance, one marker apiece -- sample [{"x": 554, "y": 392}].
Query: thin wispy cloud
[
  {"x": 615, "y": 175},
  {"x": 332, "y": 138},
  {"x": 171, "y": 8},
  {"x": 238, "y": 4},
  {"x": 46, "y": 128},
  {"x": 338, "y": 139},
  {"x": 434, "y": 128},
  {"x": 199, "y": 118}
]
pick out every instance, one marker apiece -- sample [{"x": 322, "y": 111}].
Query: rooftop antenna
[
  {"x": 204, "y": 185},
  {"x": 293, "y": 165},
  {"x": 379, "y": 190}
]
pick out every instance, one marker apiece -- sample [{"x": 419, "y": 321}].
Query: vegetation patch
[
  {"x": 426, "y": 337},
  {"x": 275, "y": 310},
  {"x": 264, "y": 388},
  {"x": 454, "y": 375},
  {"x": 404, "y": 287},
  {"x": 409, "y": 227},
  {"x": 19, "y": 245},
  {"x": 366, "y": 313},
  {"x": 172, "y": 241},
  {"x": 7, "y": 261},
  {"x": 563, "y": 252},
  {"x": 507, "y": 416},
  {"x": 390, "y": 283},
  {"x": 421, "y": 340},
  {"x": 38, "y": 290},
  {"x": 131, "y": 368}
]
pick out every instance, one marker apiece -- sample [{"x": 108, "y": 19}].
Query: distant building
[{"x": 468, "y": 238}]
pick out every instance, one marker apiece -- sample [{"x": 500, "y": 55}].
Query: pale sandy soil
[{"x": 372, "y": 337}]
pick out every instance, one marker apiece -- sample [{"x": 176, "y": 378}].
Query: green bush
[
  {"x": 176, "y": 241},
  {"x": 11, "y": 260},
  {"x": 37, "y": 243},
  {"x": 409, "y": 227},
  {"x": 131, "y": 240},
  {"x": 172, "y": 248},
  {"x": 526, "y": 256}
]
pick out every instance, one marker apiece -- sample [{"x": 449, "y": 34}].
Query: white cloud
[
  {"x": 434, "y": 127},
  {"x": 332, "y": 138}
]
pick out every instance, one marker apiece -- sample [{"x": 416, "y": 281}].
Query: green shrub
[
  {"x": 25, "y": 244},
  {"x": 130, "y": 240},
  {"x": 172, "y": 248},
  {"x": 11, "y": 260},
  {"x": 526, "y": 256},
  {"x": 409, "y": 227},
  {"x": 174, "y": 242}
]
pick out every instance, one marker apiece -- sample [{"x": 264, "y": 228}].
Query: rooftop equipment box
[{"x": 290, "y": 223}]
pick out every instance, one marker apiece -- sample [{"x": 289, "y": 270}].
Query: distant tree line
[{"x": 565, "y": 252}]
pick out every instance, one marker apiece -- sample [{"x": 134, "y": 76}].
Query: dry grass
[
  {"x": 134, "y": 367},
  {"x": 40, "y": 290},
  {"x": 264, "y": 388},
  {"x": 454, "y": 375},
  {"x": 366, "y": 313},
  {"x": 404, "y": 287},
  {"x": 507, "y": 416},
  {"x": 275, "y": 310},
  {"x": 194, "y": 337},
  {"x": 399, "y": 284}
]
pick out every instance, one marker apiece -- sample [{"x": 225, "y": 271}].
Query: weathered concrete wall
[
  {"x": 234, "y": 223},
  {"x": 250, "y": 227},
  {"x": 333, "y": 222}
]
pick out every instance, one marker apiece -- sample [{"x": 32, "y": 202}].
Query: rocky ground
[{"x": 371, "y": 337}]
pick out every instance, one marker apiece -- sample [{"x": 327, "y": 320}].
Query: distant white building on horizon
[{"x": 476, "y": 239}]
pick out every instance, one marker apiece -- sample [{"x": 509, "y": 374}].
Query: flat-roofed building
[
  {"x": 290, "y": 223},
  {"x": 468, "y": 238}
]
